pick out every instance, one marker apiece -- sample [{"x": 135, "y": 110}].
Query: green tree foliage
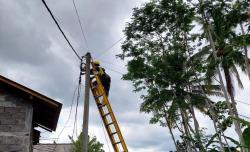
[
  {"x": 246, "y": 132},
  {"x": 160, "y": 64},
  {"x": 176, "y": 67},
  {"x": 93, "y": 145},
  {"x": 246, "y": 136},
  {"x": 224, "y": 17}
]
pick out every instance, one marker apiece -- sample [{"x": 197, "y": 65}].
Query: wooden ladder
[{"x": 107, "y": 114}]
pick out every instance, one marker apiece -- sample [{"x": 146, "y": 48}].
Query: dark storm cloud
[
  {"x": 21, "y": 40},
  {"x": 26, "y": 42},
  {"x": 28, "y": 33}
]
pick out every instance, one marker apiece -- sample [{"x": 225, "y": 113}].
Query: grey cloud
[
  {"x": 17, "y": 31},
  {"x": 26, "y": 41}
]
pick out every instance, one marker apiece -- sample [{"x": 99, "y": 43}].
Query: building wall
[
  {"x": 53, "y": 148},
  {"x": 15, "y": 123}
]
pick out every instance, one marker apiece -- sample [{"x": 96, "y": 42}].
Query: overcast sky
[{"x": 34, "y": 53}]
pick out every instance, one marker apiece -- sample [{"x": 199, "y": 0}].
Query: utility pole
[{"x": 86, "y": 105}]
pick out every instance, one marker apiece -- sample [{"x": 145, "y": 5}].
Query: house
[
  {"x": 21, "y": 111},
  {"x": 53, "y": 148}
]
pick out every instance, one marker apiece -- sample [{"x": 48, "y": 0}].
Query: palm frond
[
  {"x": 202, "y": 52},
  {"x": 212, "y": 90},
  {"x": 229, "y": 82},
  {"x": 198, "y": 101},
  {"x": 211, "y": 140},
  {"x": 236, "y": 73},
  {"x": 241, "y": 40},
  {"x": 215, "y": 93}
]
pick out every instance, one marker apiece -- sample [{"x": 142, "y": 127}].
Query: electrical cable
[
  {"x": 71, "y": 106},
  {"x": 105, "y": 137},
  {"x": 243, "y": 102},
  {"x": 70, "y": 111},
  {"x": 115, "y": 71},
  {"x": 104, "y": 132},
  {"x": 109, "y": 48},
  {"x": 78, "y": 97},
  {"x": 77, "y": 103},
  {"x": 244, "y": 116},
  {"x": 53, "y": 17},
  {"x": 115, "y": 65},
  {"x": 81, "y": 25}
]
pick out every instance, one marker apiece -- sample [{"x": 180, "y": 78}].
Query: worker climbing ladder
[{"x": 106, "y": 113}]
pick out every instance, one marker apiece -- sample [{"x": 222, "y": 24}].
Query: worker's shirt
[{"x": 99, "y": 71}]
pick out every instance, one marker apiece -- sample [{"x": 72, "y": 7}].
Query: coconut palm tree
[
  {"x": 224, "y": 53},
  {"x": 242, "y": 7}
]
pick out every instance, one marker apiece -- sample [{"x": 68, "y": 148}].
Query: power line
[
  {"x": 111, "y": 69},
  {"x": 70, "y": 111},
  {"x": 78, "y": 89},
  {"x": 109, "y": 48},
  {"x": 77, "y": 100},
  {"x": 118, "y": 72},
  {"x": 104, "y": 132},
  {"x": 244, "y": 116},
  {"x": 115, "y": 65},
  {"x": 105, "y": 136},
  {"x": 81, "y": 25},
  {"x": 243, "y": 102},
  {"x": 51, "y": 14},
  {"x": 77, "y": 103}
]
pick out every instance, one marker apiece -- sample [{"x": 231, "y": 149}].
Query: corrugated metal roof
[{"x": 52, "y": 148}]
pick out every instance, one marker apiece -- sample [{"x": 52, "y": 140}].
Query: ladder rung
[
  {"x": 110, "y": 124},
  {"x": 93, "y": 88},
  {"x": 98, "y": 96},
  {"x": 100, "y": 105},
  {"x": 117, "y": 143},
  {"x": 106, "y": 114},
  {"x": 114, "y": 133}
]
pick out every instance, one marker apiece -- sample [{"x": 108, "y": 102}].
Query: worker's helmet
[{"x": 96, "y": 63}]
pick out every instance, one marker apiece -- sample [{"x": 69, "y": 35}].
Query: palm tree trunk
[
  {"x": 219, "y": 137},
  {"x": 197, "y": 129},
  {"x": 172, "y": 135},
  {"x": 186, "y": 131},
  {"x": 237, "y": 124},
  {"x": 170, "y": 129},
  {"x": 214, "y": 119},
  {"x": 196, "y": 124},
  {"x": 219, "y": 133},
  {"x": 232, "y": 113},
  {"x": 233, "y": 107}
]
